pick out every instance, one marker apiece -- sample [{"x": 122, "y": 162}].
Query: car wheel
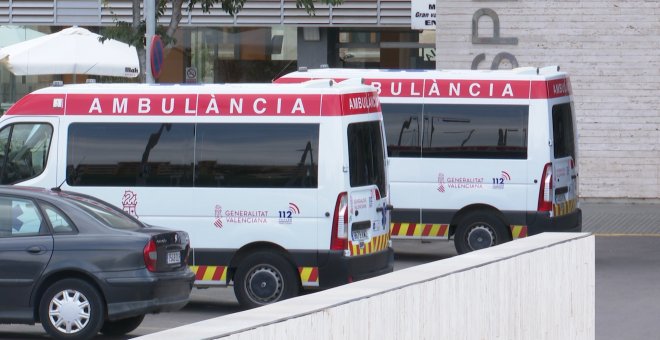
[
  {"x": 479, "y": 230},
  {"x": 71, "y": 309},
  {"x": 264, "y": 278}
]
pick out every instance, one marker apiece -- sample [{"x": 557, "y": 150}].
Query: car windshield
[{"x": 105, "y": 213}]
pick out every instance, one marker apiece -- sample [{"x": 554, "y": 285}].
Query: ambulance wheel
[
  {"x": 479, "y": 230},
  {"x": 263, "y": 278}
]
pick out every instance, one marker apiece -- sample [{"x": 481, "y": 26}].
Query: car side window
[
  {"x": 20, "y": 217},
  {"x": 58, "y": 220}
]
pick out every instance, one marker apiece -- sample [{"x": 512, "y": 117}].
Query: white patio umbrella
[{"x": 74, "y": 51}]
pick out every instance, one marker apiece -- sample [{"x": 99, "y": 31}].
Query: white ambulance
[
  {"x": 281, "y": 187},
  {"x": 479, "y": 156}
]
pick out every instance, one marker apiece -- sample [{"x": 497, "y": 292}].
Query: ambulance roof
[
  {"x": 519, "y": 83},
  {"x": 312, "y": 98},
  {"x": 308, "y": 87},
  {"x": 520, "y": 73}
]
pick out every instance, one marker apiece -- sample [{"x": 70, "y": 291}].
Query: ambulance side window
[
  {"x": 475, "y": 131},
  {"x": 366, "y": 157},
  {"x": 562, "y": 131},
  {"x": 130, "y": 154},
  {"x": 403, "y": 129},
  {"x": 257, "y": 155},
  {"x": 24, "y": 151}
]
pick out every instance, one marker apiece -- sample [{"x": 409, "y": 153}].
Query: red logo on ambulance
[{"x": 129, "y": 203}]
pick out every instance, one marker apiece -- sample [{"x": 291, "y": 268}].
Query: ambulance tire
[
  {"x": 479, "y": 230},
  {"x": 263, "y": 278}
]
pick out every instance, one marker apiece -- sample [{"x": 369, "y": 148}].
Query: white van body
[
  {"x": 278, "y": 186},
  {"x": 479, "y": 156}
]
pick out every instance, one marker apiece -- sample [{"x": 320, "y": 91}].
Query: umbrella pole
[{"x": 12, "y": 87}]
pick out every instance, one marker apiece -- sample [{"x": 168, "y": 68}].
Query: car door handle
[
  {"x": 387, "y": 207},
  {"x": 36, "y": 249}
]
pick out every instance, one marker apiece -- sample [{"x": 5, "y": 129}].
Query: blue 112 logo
[
  {"x": 498, "y": 182},
  {"x": 286, "y": 216}
]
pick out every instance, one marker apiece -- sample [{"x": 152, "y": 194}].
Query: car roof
[{"x": 36, "y": 192}]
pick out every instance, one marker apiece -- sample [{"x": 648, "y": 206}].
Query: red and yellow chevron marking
[
  {"x": 564, "y": 208},
  {"x": 404, "y": 230},
  {"x": 210, "y": 273},
  {"x": 376, "y": 244},
  {"x": 518, "y": 231},
  {"x": 309, "y": 276}
]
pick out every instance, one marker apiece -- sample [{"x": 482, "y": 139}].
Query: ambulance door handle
[{"x": 387, "y": 207}]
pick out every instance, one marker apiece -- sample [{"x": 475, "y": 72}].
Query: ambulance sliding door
[
  {"x": 474, "y": 154},
  {"x": 403, "y": 128}
]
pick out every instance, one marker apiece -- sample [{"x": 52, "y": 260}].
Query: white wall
[
  {"x": 610, "y": 49},
  {"x": 540, "y": 287}
]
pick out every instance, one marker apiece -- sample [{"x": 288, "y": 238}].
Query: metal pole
[{"x": 150, "y": 20}]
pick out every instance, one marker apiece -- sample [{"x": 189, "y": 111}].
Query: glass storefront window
[
  {"x": 242, "y": 54},
  {"x": 14, "y": 87},
  {"x": 387, "y": 48}
]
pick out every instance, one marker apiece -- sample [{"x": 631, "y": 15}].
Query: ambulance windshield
[{"x": 23, "y": 151}]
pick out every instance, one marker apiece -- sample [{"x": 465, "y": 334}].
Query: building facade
[
  {"x": 265, "y": 39},
  {"x": 610, "y": 49}
]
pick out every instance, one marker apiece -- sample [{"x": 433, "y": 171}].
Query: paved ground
[
  {"x": 627, "y": 275},
  {"x": 612, "y": 219},
  {"x": 627, "y": 268}
]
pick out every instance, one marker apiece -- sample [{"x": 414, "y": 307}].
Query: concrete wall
[
  {"x": 610, "y": 49},
  {"x": 540, "y": 287}
]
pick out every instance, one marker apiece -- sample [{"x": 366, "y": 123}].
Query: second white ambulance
[
  {"x": 481, "y": 156},
  {"x": 280, "y": 187}
]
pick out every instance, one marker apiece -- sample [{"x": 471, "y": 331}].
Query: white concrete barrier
[{"x": 539, "y": 287}]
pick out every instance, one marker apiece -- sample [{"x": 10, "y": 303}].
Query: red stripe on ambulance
[
  {"x": 427, "y": 230},
  {"x": 199, "y": 275},
  {"x": 166, "y": 104},
  {"x": 463, "y": 88},
  {"x": 218, "y": 273},
  {"x": 395, "y": 228}
]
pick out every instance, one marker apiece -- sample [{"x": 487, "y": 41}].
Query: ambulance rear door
[
  {"x": 564, "y": 161},
  {"x": 368, "y": 201}
]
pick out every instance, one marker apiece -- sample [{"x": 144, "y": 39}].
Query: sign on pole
[
  {"x": 157, "y": 56},
  {"x": 150, "y": 20},
  {"x": 422, "y": 14}
]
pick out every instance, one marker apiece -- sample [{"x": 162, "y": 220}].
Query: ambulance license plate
[
  {"x": 561, "y": 198},
  {"x": 360, "y": 234},
  {"x": 174, "y": 257}
]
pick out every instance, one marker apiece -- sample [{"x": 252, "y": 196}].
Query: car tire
[
  {"x": 263, "y": 278},
  {"x": 479, "y": 230},
  {"x": 71, "y": 309},
  {"x": 122, "y": 326}
]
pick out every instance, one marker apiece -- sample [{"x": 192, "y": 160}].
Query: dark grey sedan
[{"x": 79, "y": 265}]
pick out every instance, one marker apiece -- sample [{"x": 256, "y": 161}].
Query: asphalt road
[
  {"x": 628, "y": 287},
  {"x": 627, "y": 291}
]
